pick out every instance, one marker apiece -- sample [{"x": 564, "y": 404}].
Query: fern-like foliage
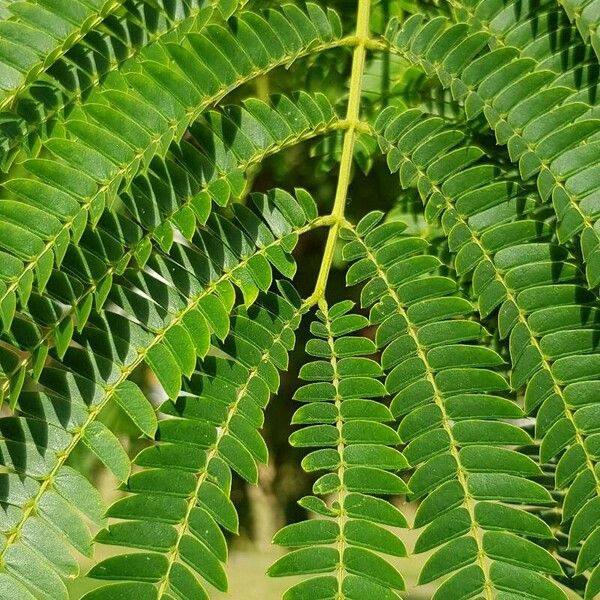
[
  {"x": 455, "y": 421},
  {"x": 345, "y": 420},
  {"x": 152, "y": 229},
  {"x": 586, "y": 15},
  {"x": 181, "y": 496},
  {"x": 55, "y": 58},
  {"x": 541, "y": 105}
]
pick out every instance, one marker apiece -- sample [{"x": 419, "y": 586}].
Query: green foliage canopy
[{"x": 460, "y": 370}]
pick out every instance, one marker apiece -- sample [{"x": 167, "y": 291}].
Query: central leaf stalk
[{"x": 352, "y": 118}]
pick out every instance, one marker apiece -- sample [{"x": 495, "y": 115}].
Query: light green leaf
[
  {"x": 103, "y": 443},
  {"x": 133, "y": 402},
  {"x": 306, "y": 561}
]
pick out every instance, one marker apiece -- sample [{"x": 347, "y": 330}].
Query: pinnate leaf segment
[{"x": 458, "y": 372}]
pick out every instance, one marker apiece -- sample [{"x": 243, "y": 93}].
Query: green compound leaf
[
  {"x": 464, "y": 466},
  {"x": 144, "y": 273},
  {"x": 360, "y": 461}
]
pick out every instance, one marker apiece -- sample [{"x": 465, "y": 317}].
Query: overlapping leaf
[
  {"x": 179, "y": 501},
  {"x": 115, "y": 252},
  {"x": 527, "y": 71},
  {"x": 176, "y": 195},
  {"x": 536, "y": 287},
  {"x": 346, "y": 423},
  {"x": 165, "y": 315},
  {"x": 457, "y": 419},
  {"x": 62, "y": 71},
  {"x": 151, "y": 103},
  {"x": 586, "y": 15}
]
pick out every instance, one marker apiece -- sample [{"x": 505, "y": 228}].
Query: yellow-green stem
[{"x": 352, "y": 117}]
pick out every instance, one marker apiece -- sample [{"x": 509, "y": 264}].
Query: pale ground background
[
  {"x": 247, "y": 579},
  {"x": 248, "y": 562}
]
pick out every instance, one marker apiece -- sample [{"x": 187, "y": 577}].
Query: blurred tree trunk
[{"x": 266, "y": 511}]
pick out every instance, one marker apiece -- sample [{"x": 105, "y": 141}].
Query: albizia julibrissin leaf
[
  {"x": 186, "y": 292},
  {"x": 499, "y": 238},
  {"x": 457, "y": 418},
  {"x": 345, "y": 424},
  {"x": 132, "y": 244},
  {"x": 178, "y": 502}
]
